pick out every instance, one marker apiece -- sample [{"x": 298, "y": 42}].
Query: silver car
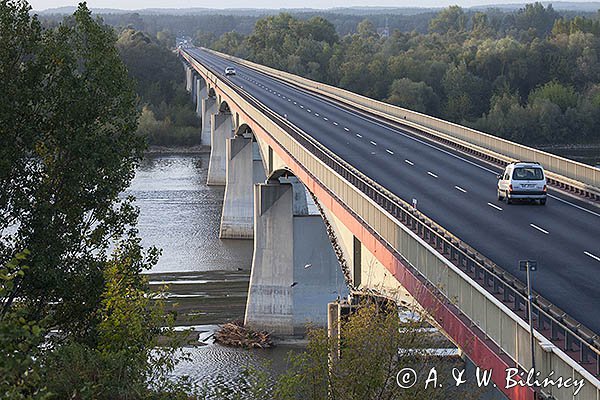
[
  {"x": 524, "y": 180},
  {"x": 229, "y": 71}
]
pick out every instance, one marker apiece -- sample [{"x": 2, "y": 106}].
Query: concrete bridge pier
[
  {"x": 201, "y": 93},
  {"x": 188, "y": 78},
  {"x": 209, "y": 107},
  {"x": 220, "y": 131},
  {"x": 295, "y": 273},
  {"x": 244, "y": 168},
  {"x": 194, "y": 89}
]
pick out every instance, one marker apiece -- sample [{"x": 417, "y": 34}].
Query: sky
[{"x": 140, "y": 4}]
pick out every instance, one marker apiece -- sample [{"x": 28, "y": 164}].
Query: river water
[{"x": 205, "y": 278}]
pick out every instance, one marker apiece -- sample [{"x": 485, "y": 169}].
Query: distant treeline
[
  {"x": 210, "y": 22},
  {"x": 532, "y": 76}
]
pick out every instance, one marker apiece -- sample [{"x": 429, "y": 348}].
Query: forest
[{"x": 531, "y": 76}]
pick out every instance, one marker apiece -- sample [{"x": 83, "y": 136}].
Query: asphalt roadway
[{"x": 456, "y": 191}]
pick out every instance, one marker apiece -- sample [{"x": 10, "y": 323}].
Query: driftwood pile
[{"x": 236, "y": 335}]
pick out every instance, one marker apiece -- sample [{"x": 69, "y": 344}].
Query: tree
[
  {"x": 451, "y": 19},
  {"x": 416, "y": 96},
  {"x": 536, "y": 17},
  {"x": 69, "y": 150},
  {"x": 467, "y": 94},
  {"x": 374, "y": 346},
  {"x": 563, "y": 96}
]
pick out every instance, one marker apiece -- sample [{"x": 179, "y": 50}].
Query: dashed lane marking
[
  {"x": 539, "y": 229},
  {"x": 495, "y": 206},
  {"x": 587, "y": 253}
]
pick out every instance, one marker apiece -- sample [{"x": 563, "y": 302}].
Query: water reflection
[
  {"x": 207, "y": 278},
  {"x": 180, "y": 214}
]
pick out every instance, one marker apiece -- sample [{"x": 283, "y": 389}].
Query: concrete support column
[
  {"x": 294, "y": 270},
  {"x": 188, "y": 78},
  {"x": 220, "y": 131},
  {"x": 193, "y": 92},
  {"x": 209, "y": 107},
  {"x": 201, "y": 93},
  {"x": 243, "y": 170}
]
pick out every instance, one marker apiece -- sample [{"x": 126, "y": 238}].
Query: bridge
[{"x": 408, "y": 203}]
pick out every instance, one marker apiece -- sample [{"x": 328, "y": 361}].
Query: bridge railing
[
  {"x": 566, "y": 173},
  {"x": 493, "y": 300}
]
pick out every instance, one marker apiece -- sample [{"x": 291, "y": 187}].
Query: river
[{"x": 206, "y": 278}]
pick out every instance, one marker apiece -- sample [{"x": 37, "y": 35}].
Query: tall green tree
[{"x": 70, "y": 259}]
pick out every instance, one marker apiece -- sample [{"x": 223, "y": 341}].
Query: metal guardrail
[
  {"x": 578, "y": 342},
  {"x": 562, "y": 172}
]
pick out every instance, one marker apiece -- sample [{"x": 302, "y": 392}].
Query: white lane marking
[
  {"x": 574, "y": 205},
  {"x": 335, "y": 123},
  {"x": 539, "y": 229},
  {"x": 289, "y": 99},
  {"x": 461, "y": 189},
  {"x": 359, "y": 135},
  {"x": 325, "y": 119},
  {"x": 373, "y": 143},
  {"x": 389, "y": 151},
  {"x": 409, "y": 162},
  {"x": 283, "y": 97},
  {"x": 374, "y": 121},
  {"x": 495, "y": 206},
  {"x": 278, "y": 95},
  {"x": 295, "y": 103},
  {"x": 301, "y": 106},
  {"x": 587, "y": 253},
  {"x": 431, "y": 174},
  {"x": 346, "y": 129},
  {"x": 316, "y": 114},
  {"x": 308, "y": 110}
]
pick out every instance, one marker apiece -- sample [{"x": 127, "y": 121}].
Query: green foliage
[
  {"x": 302, "y": 47},
  {"x": 167, "y": 115},
  {"x": 128, "y": 355},
  {"x": 563, "y": 96},
  {"x": 374, "y": 346},
  {"x": 64, "y": 171},
  {"x": 417, "y": 96},
  {"x": 460, "y": 71},
  {"x": 536, "y": 17},
  {"x": 75, "y": 322},
  {"x": 449, "y": 20},
  {"x": 20, "y": 375}
]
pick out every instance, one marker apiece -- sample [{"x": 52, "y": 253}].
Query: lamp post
[{"x": 529, "y": 266}]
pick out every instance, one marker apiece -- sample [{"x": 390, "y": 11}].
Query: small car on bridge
[
  {"x": 522, "y": 180},
  {"x": 229, "y": 71}
]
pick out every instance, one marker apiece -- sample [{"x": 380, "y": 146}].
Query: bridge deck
[{"x": 455, "y": 190}]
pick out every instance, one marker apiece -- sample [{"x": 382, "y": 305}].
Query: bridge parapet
[{"x": 466, "y": 295}]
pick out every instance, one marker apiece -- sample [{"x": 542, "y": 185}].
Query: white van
[{"x": 522, "y": 180}]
